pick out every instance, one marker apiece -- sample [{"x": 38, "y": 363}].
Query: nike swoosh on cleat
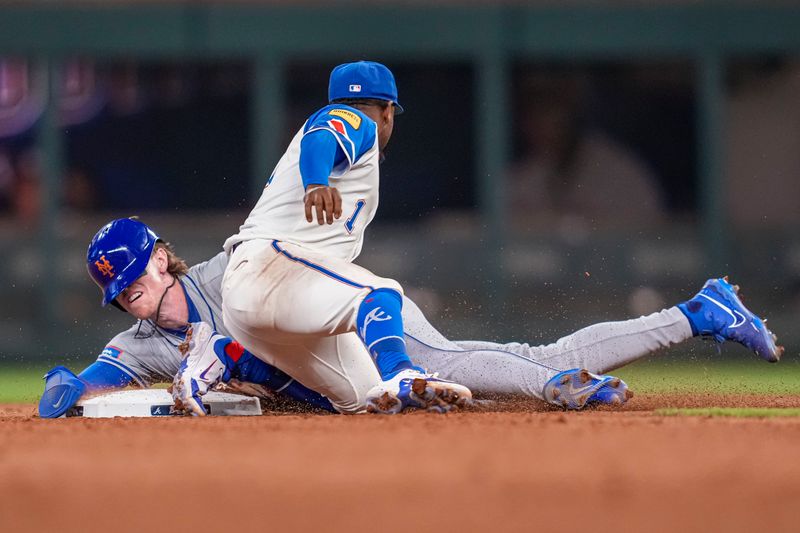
[
  {"x": 580, "y": 390},
  {"x": 203, "y": 375},
  {"x": 737, "y": 321}
]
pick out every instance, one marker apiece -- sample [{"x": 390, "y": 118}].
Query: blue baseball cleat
[
  {"x": 414, "y": 389},
  {"x": 577, "y": 388},
  {"x": 718, "y": 312}
]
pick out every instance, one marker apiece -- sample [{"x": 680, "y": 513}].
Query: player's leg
[
  {"x": 715, "y": 311},
  {"x": 484, "y": 367},
  {"x": 602, "y": 347},
  {"x": 338, "y": 366},
  {"x": 284, "y": 294},
  {"x": 492, "y": 368},
  {"x": 558, "y": 373}
]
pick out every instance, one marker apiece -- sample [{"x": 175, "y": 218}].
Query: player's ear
[
  {"x": 161, "y": 259},
  {"x": 388, "y": 112}
]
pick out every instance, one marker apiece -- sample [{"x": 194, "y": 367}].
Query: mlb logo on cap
[{"x": 363, "y": 79}]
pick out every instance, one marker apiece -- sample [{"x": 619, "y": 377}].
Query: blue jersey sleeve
[
  {"x": 319, "y": 155},
  {"x": 101, "y": 375},
  {"x": 353, "y": 131}
]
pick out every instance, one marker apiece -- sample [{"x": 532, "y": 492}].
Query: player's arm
[
  {"x": 117, "y": 366},
  {"x": 333, "y": 141},
  {"x": 319, "y": 154},
  {"x": 63, "y": 389}
]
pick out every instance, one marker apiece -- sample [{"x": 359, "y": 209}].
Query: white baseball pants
[{"x": 296, "y": 310}]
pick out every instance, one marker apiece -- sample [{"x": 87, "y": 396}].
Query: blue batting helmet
[{"x": 118, "y": 255}]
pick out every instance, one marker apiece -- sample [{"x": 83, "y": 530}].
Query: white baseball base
[{"x": 158, "y": 402}]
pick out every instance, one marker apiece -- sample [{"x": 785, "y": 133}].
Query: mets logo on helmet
[{"x": 105, "y": 268}]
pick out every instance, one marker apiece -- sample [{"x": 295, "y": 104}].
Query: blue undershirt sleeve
[
  {"x": 319, "y": 154},
  {"x": 101, "y": 375},
  {"x": 301, "y": 393},
  {"x": 252, "y": 369}
]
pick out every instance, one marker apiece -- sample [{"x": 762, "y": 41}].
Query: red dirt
[{"x": 523, "y": 469}]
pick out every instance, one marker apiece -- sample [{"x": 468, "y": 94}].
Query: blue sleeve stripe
[
  {"x": 133, "y": 375},
  {"x": 349, "y": 154}
]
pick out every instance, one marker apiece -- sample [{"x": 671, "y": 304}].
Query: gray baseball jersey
[{"x": 148, "y": 353}]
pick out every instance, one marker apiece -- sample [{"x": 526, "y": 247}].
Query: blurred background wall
[{"x": 558, "y": 163}]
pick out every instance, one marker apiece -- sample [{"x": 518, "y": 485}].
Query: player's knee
[
  {"x": 352, "y": 406},
  {"x": 386, "y": 293},
  {"x": 386, "y": 284}
]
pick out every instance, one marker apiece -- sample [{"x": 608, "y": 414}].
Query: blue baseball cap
[{"x": 363, "y": 79}]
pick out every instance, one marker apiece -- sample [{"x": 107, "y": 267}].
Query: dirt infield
[{"x": 522, "y": 469}]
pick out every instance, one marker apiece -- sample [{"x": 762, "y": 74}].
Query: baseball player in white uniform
[{"x": 291, "y": 294}]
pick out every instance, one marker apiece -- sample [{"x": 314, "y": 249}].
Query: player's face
[{"x": 141, "y": 298}]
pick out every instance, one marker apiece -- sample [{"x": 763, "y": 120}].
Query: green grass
[
  {"x": 735, "y": 412},
  {"x": 21, "y": 384},
  {"x": 753, "y": 376},
  {"x": 729, "y": 377}
]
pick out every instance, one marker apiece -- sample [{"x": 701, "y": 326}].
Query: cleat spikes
[
  {"x": 413, "y": 389},
  {"x": 418, "y": 386},
  {"x": 725, "y": 277},
  {"x": 628, "y": 394},
  {"x": 736, "y": 289},
  {"x": 582, "y": 388}
]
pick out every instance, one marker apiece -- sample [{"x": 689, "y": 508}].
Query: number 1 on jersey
[{"x": 348, "y": 225}]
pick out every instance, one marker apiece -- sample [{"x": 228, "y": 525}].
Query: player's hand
[
  {"x": 326, "y": 201},
  {"x": 199, "y": 371}
]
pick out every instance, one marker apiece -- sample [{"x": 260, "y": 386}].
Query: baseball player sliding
[{"x": 291, "y": 296}]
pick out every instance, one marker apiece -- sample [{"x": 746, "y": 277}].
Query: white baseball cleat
[
  {"x": 412, "y": 388},
  {"x": 200, "y": 370}
]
